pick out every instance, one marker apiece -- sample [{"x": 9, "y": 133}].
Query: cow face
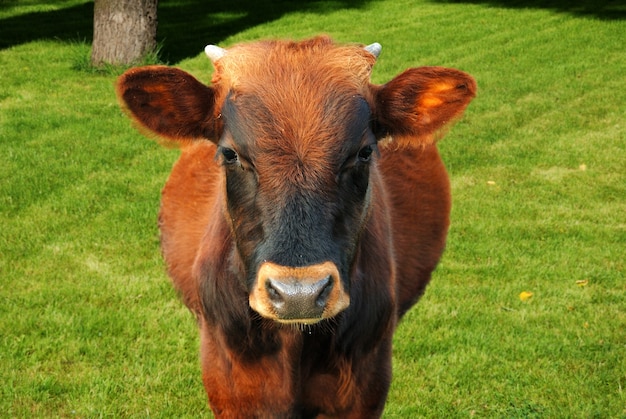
[
  {"x": 297, "y": 127},
  {"x": 297, "y": 193}
]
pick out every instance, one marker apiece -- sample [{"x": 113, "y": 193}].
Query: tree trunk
[{"x": 124, "y": 31}]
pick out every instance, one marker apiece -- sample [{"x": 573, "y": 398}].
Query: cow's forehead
[
  {"x": 271, "y": 66},
  {"x": 296, "y": 99},
  {"x": 297, "y": 124}
]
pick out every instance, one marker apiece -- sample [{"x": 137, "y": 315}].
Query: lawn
[{"x": 91, "y": 327}]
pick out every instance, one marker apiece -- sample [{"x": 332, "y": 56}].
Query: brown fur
[{"x": 295, "y": 109}]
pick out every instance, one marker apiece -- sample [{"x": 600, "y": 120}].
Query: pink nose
[{"x": 298, "y": 295}]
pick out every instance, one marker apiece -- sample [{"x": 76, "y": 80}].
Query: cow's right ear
[
  {"x": 416, "y": 106},
  {"x": 169, "y": 102}
]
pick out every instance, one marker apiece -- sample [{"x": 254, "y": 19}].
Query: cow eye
[
  {"x": 365, "y": 154},
  {"x": 230, "y": 156}
]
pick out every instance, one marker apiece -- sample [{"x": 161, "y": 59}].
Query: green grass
[{"x": 90, "y": 326}]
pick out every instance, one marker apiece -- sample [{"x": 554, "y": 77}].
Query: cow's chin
[
  {"x": 304, "y": 325},
  {"x": 300, "y": 322}
]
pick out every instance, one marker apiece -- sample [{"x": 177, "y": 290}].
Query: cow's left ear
[
  {"x": 417, "y": 105},
  {"x": 169, "y": 103}
]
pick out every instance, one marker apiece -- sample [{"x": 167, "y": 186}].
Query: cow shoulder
[
  {"x": 418, "y": 190},
  {"x": 188, "y": 204}
]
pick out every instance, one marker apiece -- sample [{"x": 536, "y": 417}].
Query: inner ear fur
[
  {"x": 168, "y": 103},
  {"x": 418, "y": 104}
]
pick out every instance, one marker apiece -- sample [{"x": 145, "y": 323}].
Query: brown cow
[{"x": 304, "y": 217}]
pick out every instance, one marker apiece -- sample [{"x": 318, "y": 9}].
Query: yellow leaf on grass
[
  {"x": 525, "y": 295},
  {"x": 582, "y": 282}
]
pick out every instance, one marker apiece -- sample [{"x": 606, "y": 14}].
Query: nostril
[
  {"x": 273, "y": 293},
  {"x": 326, "y": 286}
]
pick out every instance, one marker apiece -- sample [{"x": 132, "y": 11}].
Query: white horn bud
[
  {"x": 374, "y": 49},
  {"x": 214, "y": 52}
]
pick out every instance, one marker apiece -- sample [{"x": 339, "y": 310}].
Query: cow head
[{"x": 297, "y": 127}]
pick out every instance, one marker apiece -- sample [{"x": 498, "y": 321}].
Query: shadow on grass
[
  {"x": 186, "y": 26},
  {"x": 70, "y": 24},
  {"x": 600, "y": 9}
]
